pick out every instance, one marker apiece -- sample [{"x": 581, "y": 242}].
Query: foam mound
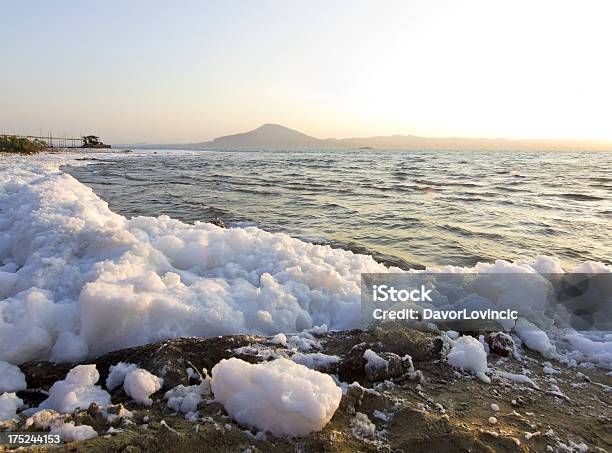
[
  {"x": 11, "y": 378},
  {"x": 9, "y": 405},
  {"x": 185, "y": 399},
  {"x": 137, "y": 383},
  {"x": 468, "y": 354},
  {"x": 77, "y": 390},
  {"x": 280, "y": 396},
  {"x": 78, "y": 280},
  {"x": 52, "y": 420}
]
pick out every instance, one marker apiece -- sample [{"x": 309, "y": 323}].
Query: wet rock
[
  {"x": 8, "y": 424},
  {"x": 92, "y": 416},
  {"x": 420, "y": 341},
  {"x": 168, "y": 359},
  {"x": 389, "y": 338},
  {"x": 94, "y": 409},
  {"x": 131, "y": 449},
  {"x": 500, "y": 343},
  {"x": 118, "y": 409},
  {"x": 354, "y": 367},
  {"x": 395, "y": 368},
  {"x": 421, "y": 346},
  {"x": 218, "y": 221}
]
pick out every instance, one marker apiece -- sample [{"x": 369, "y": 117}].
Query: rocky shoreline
[{"x": 415, "y": 404}]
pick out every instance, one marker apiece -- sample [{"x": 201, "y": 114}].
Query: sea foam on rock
[
  {"x": 185, "y": 399},
  {"x": 60, "y": 424},
  {"x": 468, "y": 354},
  {"x": 77, "y": 390},
  {"x": 280, "y": 396},
  {"x": 535, "y": 338},
  {"x": 138, "y": 384},
  {"x": 10, "y": 403},
  {"x": 11, "y": 378}
]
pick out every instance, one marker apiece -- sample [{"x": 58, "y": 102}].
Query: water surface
[{"x": 408, "y": 208}]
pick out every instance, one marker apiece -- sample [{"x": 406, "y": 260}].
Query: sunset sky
[{"x": 157, "y": 71}]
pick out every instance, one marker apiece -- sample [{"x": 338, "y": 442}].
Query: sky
[{"x": 187, "y": 71}]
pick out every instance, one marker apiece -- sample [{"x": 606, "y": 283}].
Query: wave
[
  {"x": 78, "y": 280},
  {"x": 580, "y": 197}
]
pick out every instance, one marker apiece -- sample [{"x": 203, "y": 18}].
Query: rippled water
[{"x": 408, "y": 208}]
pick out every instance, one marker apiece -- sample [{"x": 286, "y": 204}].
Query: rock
[
  {"x": 394, "y": 369},
  {"x": 168, "y": 359},
  {"x": 118, "y": 410},
  {"x": 131, "y": 449},
  {"x": 354, "y": 367},
  {"x": 92, "y": 416},
  {"x": 400, "y": 340},
  {"x": 500, "y": 343},
  {"x": 94, "y": 409},
  {"x": 388, "y": 338}
]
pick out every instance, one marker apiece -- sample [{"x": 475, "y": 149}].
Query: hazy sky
[{"x": 160, "y": 71}]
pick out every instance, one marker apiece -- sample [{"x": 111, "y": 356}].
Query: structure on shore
[{"x": 92, "y": 141}]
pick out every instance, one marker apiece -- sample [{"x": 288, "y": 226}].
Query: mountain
[
  {"x": 277, "y": 136},
  {"x": 271, "y": 136}
]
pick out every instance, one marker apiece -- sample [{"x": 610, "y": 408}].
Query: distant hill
[
  {"x": 271, "y": 136},
  {"x": 277, "y": 136}
]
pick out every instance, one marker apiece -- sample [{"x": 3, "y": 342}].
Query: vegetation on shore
[{"x": 20, "y": 145}]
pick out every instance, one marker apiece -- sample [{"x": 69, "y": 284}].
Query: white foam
[
  {"x": 10, "y": 403},
  {"x": 185, "y": 399},
  {"x": 137, "y": 383},
  {"x": 117, "y": 373},
  {"x": 113, "y": 283},
  {"x": 78, "y": 280},
  {"x": 140, "y": 385},
  {"x": 535, "y": 338},
  {"x": 11, "y": 378},
  {"x": 72, "y": 433},
  {"x": 77, "y": 390},
  {"x": 280, "y": 396},
  {"x": 596, "y": 351},
  {"x": 48, "y": 418},
  {"x": 362, "y": 427},
  {"x": 279, "y": 338},
  {"x": 315, "y": 360},
  {"x": 518, "y": 378},
  {"x": 468, "y": 354},
  {"x": 374, "y": 361}
]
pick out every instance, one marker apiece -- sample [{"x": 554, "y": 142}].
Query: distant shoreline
[
  {"x": 275, "y": 136},
  {"x": 287, "y": 148}
]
